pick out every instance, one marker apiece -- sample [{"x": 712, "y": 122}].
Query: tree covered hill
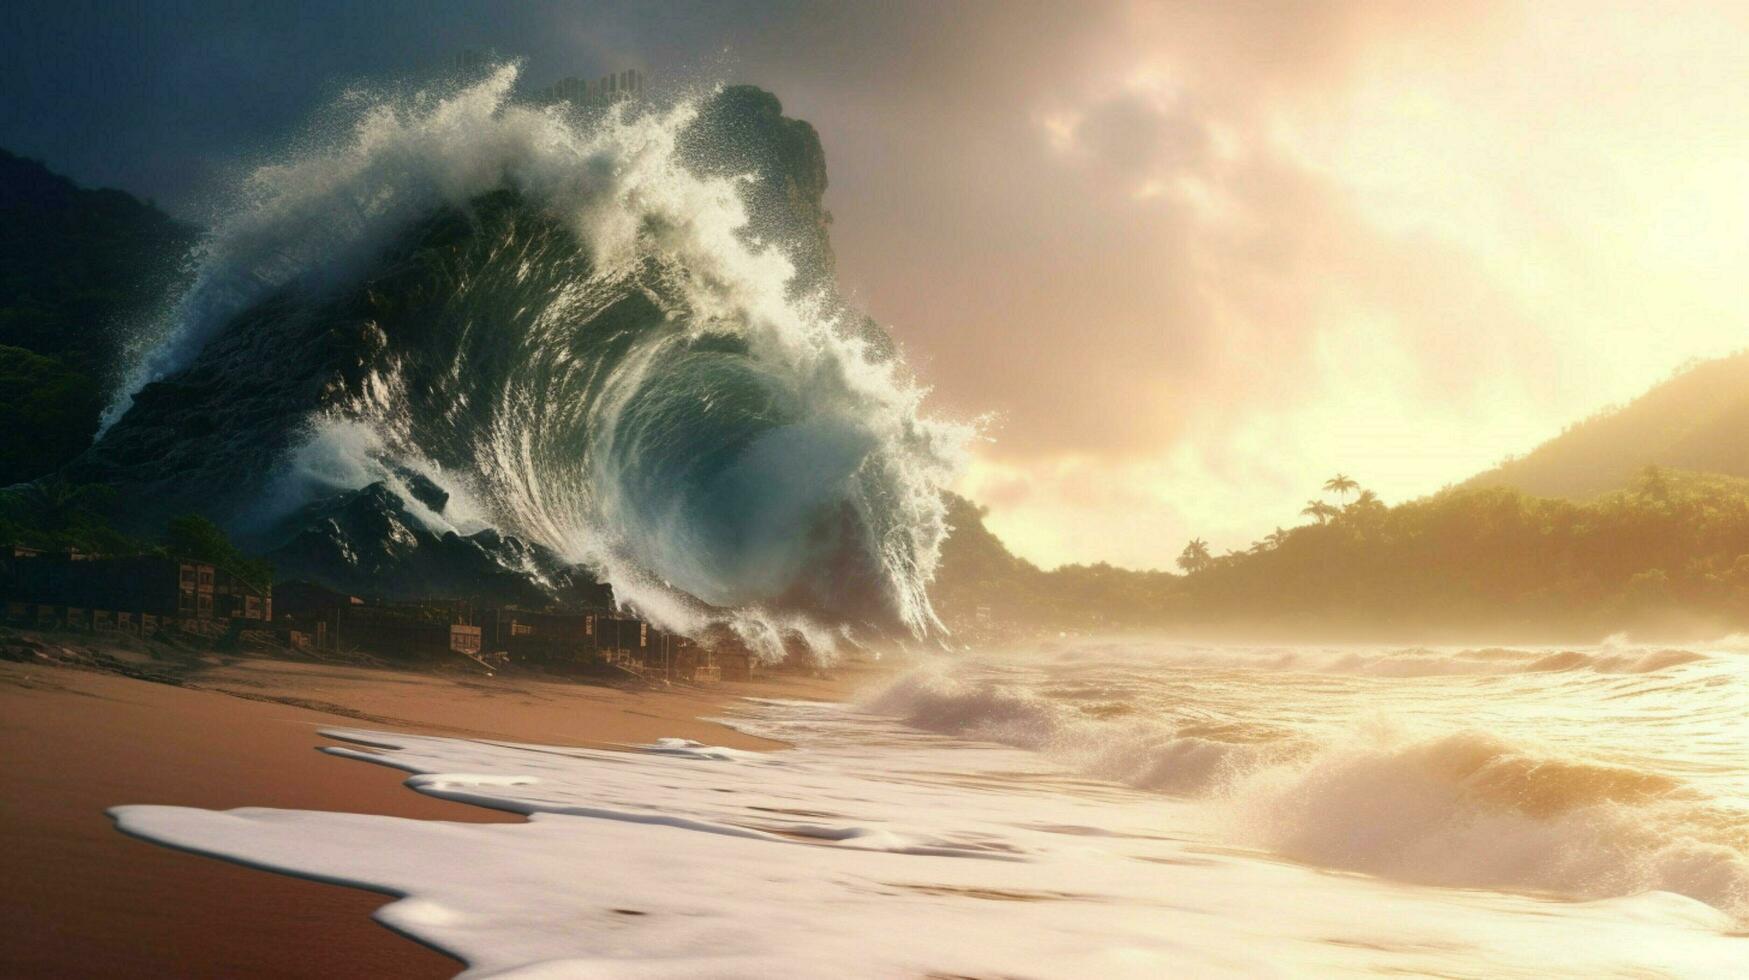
[
  {"x": 1697, "y": 420},
  {"x": 74, "y": 265},
  {"x": 1668, "y": 555},
  {"x": 981, "y": 582},
  {"x": 1635, "y": 519}
]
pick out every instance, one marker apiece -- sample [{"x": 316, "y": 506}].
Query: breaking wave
[
  {"x": 615, "y": 369},
  {"x": 1328, "y": 758}
]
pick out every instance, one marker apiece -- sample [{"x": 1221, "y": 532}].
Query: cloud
[
  {"x": 1190, "y": 256},
  {"x": 1140, "y": 136},
  {"x": 1373, "y": 242}
]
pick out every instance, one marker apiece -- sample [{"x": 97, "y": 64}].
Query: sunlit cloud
[
  {"x": 1403, "y": 257},
  {"x": 1193, "y": 258}
]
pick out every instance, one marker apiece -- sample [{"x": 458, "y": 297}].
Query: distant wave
[
  {"x": 1619, "y": 658},
  {"x": 1383, "y": 795},
  {"x": 1474, "y": 810},
  {"x": 613, "y": 370}
]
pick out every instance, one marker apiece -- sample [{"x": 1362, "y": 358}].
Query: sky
[{"x": 1184, "y": 261}]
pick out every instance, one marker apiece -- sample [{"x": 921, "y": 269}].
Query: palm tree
[
  {"x": 1341, "y": 485},
  {"x": 1319, "y": 511},
  {"x": 1367, "y": 513},
  {"x": 1277, "y": 538},
  {"x": 1652, "y": 482},
  {"x": 1195, "y": 556}
]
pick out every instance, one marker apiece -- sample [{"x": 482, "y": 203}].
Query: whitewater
[
  {"x": 569, "y": 322},
  {"x": 579, "y": 336},
  {"x": 1093, "y": 808}
]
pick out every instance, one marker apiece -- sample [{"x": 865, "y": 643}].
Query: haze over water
[
  {"x": 1588, "y": 772},
  {"x": 1496, "y": 812},
  {"x": 486, "y": 370}
]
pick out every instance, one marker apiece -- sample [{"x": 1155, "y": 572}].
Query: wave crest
[
  {"x": 1473, "y": 810},
  {"x": 567, "y": 327},
  {"x": 1461, "y": 808}
]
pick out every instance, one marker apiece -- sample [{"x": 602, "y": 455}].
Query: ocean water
[
  {"x": 612, "y": 365},
  {"x": 1094, "y": 809}
]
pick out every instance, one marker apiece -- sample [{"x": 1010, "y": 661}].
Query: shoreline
[{"x": 85, "y": 899}]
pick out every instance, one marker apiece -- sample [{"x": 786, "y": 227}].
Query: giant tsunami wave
[{"x": 578, "y": 335}]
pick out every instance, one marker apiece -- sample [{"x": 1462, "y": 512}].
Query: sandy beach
[{"x": 83, "y": 899}]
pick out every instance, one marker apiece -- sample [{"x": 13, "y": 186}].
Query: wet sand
[{"x": 81, "y": 899}]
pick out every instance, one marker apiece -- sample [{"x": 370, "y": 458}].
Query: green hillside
[
  {"x": 1697, "y": 420},
  {"x": 75, "y": 264}
]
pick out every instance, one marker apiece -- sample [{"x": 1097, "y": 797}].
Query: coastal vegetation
[
  {"x": 1635, "y": 519},
  {"x": 1195, "y": 556},
  {"x": 1668, "y": 553},
  {"x": 1697, "y": 420},
  {"x": 74, "y": 264},
  {"x": 52, "y": 406},
  {"x": 193, "y": 536},
  {"x": 54, "y": 515},
  {"x": 1671, "y": 551}
]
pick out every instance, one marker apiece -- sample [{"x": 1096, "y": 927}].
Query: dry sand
[{"x": 81, "y": 899}]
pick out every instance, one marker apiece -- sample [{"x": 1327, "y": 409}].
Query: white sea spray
[{"x": 735, "y": 456}]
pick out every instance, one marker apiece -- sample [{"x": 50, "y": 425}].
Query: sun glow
[{"x": 1410, "y": 257}]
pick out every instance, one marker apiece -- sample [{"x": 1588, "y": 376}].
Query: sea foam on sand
[{"x": 871, "y": 850}]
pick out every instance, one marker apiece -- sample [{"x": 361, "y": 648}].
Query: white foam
[
  {"x": 549, "y": 462},
  {"x": 1587, "y": 773},
  {"x": 869, "y": 851}
]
